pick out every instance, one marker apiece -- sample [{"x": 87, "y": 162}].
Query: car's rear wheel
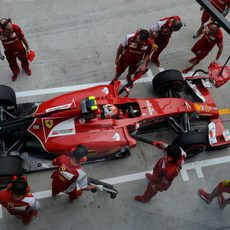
[
  {"x": 7, "y": 96},
  {"x": 192, "y": 142},
  {"x": 168, "y": 79},
  {"x": 9, "y": 166}
]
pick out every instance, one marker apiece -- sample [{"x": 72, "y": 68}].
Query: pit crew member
[
  {"x": 18, "y": 200},
  {"x": 70, "y": 177},
  {"x": 223, "y": 6},
  {"x": 133, "y": 49},
  {"x": 164, "y": 172},
  {"x": 15, "y": 45},
  {"x": 212, "y": 35},
  {"x": 161, "y": 32},
  {"x": 222, "y": 187}
]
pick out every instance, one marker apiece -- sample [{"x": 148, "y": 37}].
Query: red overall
[
  {"x": 224, "y": 186},
  {"x": 220, "y": 5},
  {"x": 163, "y": 175},
  {"x": 14, "y": 49},
  {"x": 203, "y": 46},
  {"x": 163, "y": 37},
  {"x": 22, "y": 209},
  {"x": 133, "y": 54},
  {"x": 65, "y": 176}
]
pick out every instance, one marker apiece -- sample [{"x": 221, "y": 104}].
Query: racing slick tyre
[
  {"x": 7, "y": 96},
  {"x": 168, "y": 79},
  {"x": 9, "y": 166},
  {"x": 192, "y": 142}
]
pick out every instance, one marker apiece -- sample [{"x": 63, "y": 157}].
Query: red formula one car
[{"x": 35, "y": 133}]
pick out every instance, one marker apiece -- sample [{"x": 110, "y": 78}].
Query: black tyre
[
  {"x": 10, "y": 166},
  {"x": 7, "y": 96},
  {"x": 168, "y": 79},
  {"x": 193, "y": 142},
  {"x": 113, "y": 195}
]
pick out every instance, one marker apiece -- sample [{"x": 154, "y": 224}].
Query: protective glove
[
  {"x": 159, "y": 144},
  {"x": 99, "y": 187},
  {"x": 30, "y": 54}
]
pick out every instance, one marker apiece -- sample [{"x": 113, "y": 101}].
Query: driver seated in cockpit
[{"x": 111, "y": 111}]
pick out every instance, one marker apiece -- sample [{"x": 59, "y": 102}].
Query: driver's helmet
[{"x": 109, "y": 111}]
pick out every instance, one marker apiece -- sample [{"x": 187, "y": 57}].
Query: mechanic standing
[
  {"x": 18, "y": 200},
  {"x": 161, "y": 32},
  {"x": 133, "y": 49},
  {"x": 223, "y": 6},
  {"x": 222, "y": 187},
  {"x": 164, "y": 172},
  {"x": 13, "y": 39},
  {"x": 70, "y": 177},
  {"x": 212, "y": 35}
]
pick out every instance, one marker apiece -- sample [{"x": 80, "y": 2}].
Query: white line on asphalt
[
  {"x": 199, "y": 164},
  {"x": 184, "y": 175},
  {"x": 199, "y": 172},
  {"x": 137, "y": 176},
  {"x": 65, "y": 89},
  {"x": 141, "y": 175}
]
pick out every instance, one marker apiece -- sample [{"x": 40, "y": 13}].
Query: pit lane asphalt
[{"x": 75, "y": 42}]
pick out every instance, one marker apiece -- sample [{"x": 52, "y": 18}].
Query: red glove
[
  {"x": 30, "y": 55},
  {"x": 159, "y": 144}
]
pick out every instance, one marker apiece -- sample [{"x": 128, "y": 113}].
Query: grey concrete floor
[{"x": 75, "y": 43}]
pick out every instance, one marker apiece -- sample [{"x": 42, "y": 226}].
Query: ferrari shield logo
[{"x": 49, "y": 123}]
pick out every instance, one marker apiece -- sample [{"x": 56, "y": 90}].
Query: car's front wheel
[{"x": 166, "y": 80}]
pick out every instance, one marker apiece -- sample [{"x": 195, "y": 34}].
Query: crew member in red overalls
[
  {"x": 18, "y": 200},
  {"x": 164, "y": 172},
  {"x": 69, "y": 177},
  {"x": 13, "y": 38},
  {"x": 212, "y": 35},
  {"x": 222, "y": 187},
  {"x": 223, "y": 6},
  {"x": 161, "y": 32},
  {"x": 134, "y": 49}
]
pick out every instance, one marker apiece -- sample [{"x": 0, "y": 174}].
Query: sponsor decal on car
[
  {"x": 59, "y": 128},
  {"x": 105, "y": 90},
  {"x": 36, "y": 127},
  {"x": 91, "y": 153},
  {"x": 61, "y": 107},
  {"x": 116, "y": 137},
  {"x": 150, "y": 107},
  {"x": 212, "y": 133}
]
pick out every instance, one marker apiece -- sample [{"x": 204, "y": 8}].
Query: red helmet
[{"x": 110, "y": 111}]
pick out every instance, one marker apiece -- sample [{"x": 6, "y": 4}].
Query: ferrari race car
[{"x": 33, "y": 134}]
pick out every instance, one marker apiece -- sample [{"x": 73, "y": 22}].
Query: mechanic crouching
[
  {"x": 69, "y": 177},
  {"x": 164, "y": 172},
  {"x": 18, "y": 200}
]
